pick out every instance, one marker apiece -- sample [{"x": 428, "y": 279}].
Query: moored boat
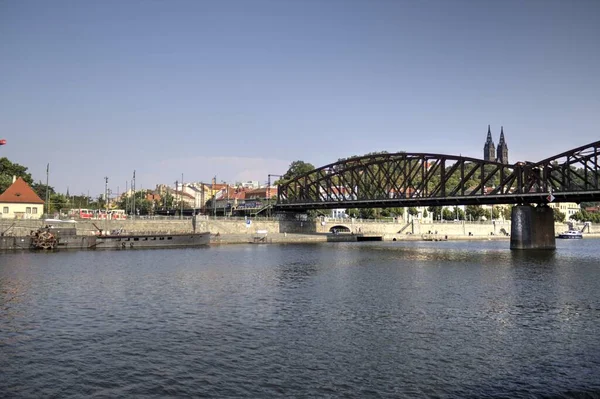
[
  {"x": 158, "y": 240},
  {"x": 571, "y": 234},
  {"x": 59, "y": 234}
]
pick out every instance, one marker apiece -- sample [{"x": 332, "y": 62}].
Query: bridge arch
[
  {"x": 393, "y": 179},
  {"x": 424, "y": 179},
  {"x": 340, "y": 229}
]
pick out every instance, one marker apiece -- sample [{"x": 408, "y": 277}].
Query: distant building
[
  {"x": 19, "y": 201},
  {"x": 502, "y": 150},
  {"x": 489, "y": 149},
  {"x": 568, "y": 208},
  {"x": 248, "y": 184},
  {"x": 491, "y": 153}
]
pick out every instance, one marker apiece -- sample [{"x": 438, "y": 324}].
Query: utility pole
[
  {"x": 269, "y": 192},
  {"x": 47, "y": 192},
  {"x": 181, "y": 199},
  {"x": 106, "y": 195},
  {"x": 202, "y": 207},
  {"x": 175, "y": 199},
  {"x": 133, "y": 189},
  {"x": 214, "y": 202}
]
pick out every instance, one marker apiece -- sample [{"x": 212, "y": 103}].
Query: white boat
[{"x": 571, "y": 234}]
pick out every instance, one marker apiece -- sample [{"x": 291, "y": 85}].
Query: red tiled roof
[{"x": 20, "y": 192}]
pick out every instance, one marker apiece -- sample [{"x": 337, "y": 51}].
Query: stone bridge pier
[{"x": 532, "y": 227}]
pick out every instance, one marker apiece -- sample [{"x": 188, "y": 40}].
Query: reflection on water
[{"x": 398, "y": 319}]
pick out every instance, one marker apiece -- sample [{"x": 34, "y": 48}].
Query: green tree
[
  {"x": 436, "y": 212},
  {"x": 297, "y": 168},
  {"x": 458, "y": 213},
  {"x": 558, "y": 215},
  {"x": 584, "y": 216},
  {"x": 353, "y": 212},
  {"x": 40, "y": 190},
  {"x": 140, "y": 204},
  {"x": 474, "y": 212},
  {"x": 507, "y": 212},
  {"x": 8, "y": 170},
  {"x": 447, "y": 214},
  {"x": 366, "y": 213},
  {"x": 489, "y": 215}
]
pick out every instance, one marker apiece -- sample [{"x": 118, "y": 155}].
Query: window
[
  {"x": 5, "y": 210},
  {"x": 28, "y": 209},
  {"x": 34, "y": 211}
]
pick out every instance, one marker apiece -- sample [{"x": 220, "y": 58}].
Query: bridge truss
[{"x": 421, "y": 179}]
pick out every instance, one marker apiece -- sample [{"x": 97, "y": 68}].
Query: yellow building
[
  {"x": 19, "y": 201},
  {"x": 568, "y": 208}
]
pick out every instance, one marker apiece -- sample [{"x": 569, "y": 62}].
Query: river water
[{"x": 401, "y": 319}]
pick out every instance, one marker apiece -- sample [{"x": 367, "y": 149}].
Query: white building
[
  {"x": 19, "y": 201},
  {"x": 568, "y": 208}
]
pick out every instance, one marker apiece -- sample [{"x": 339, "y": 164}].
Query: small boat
[{"x": 571, "y": 234}]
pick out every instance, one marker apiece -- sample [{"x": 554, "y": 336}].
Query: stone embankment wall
[{"x": 221, "y": 226}]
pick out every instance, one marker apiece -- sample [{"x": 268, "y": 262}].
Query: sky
[{"x": 240, "y": 89}]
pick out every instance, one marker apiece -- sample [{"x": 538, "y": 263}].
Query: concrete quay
[{"x": 239, "y": 230}]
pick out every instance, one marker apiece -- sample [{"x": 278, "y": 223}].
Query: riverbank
[
  {"x": 240, "y": 231},
  {"x": 282, "y": 238}
]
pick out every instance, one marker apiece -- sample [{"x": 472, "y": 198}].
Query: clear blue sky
[{"x": 239, "y": 89}]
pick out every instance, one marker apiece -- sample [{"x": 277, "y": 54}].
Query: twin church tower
[{"x": 490, "y": 153}]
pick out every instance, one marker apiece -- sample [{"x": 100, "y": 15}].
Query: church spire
[
  {"x": 502, "y": 150},
  {"x": 489, "y": 149}
]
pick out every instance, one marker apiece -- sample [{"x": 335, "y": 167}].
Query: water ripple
[{"x": 373, "y": 320}]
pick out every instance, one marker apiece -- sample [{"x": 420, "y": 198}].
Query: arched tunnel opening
[{"x": 339, "y": 229}]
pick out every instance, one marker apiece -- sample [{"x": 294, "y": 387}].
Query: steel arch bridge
[{"x": 420, "y": 179}]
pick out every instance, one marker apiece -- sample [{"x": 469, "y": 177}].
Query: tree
[
  {"x": 458, "y": 213},
  {"x": 584, "y": 216},
  {"x": 558, "y": 215},
  {"x": 141, "y": 204},
  {"x": 40, "y": 189},
  {"x": 447, "y": 214},
  {"x": 367, "y": 213},
  {"x": 474, "y": 212},
  {"x": 489, "y": 215},
  {"x": 58, "y": 203},
  {"x": 507, "y": 212},
  {"x": 8, "y": 170},
  {"x": 436, "y": 212},
  {"x": 353, "y": 212},
  {"x": 297, "y": 168}
]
